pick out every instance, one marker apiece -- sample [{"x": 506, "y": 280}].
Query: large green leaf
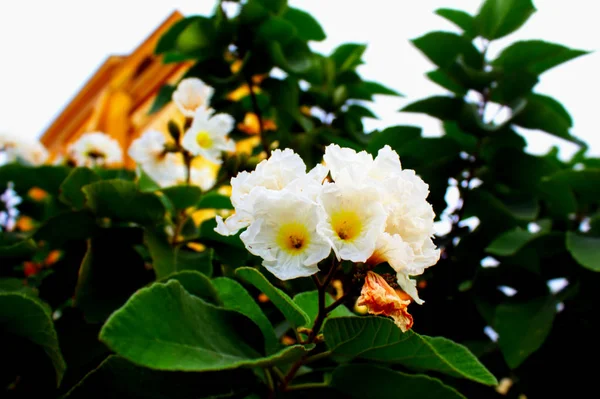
[
  {"x": 121, "y": 200},
  {"x": 183, "y": 196},
  {"x": 523, "y": 328},
  {"x": 28, "y": 317},
  {"x": 235, "y": 297},
  {"x": 510, "y": 242},
  {"x": 70, "y": 189},
  {"x": 444, "y": 49},
  {"x": 165, "y": 328},
  {"x": 369, "y": 381},
  {"x": 585, "y": 250},
  {"x": 214, "y": 201},
  {"x": 167, "y": 259},
  {"x": 498, "y": 18},
  {"x": 196, "y": 284},
  {"x": 443, "y": 79},
  {"x": 348, "y": 56},
  {"x": 46, "y": 177},
  {"x": 547, "y": 114},
  {"x": 379, "y": 339},
  {"x": 306, "y": 25},
  {"x": 116, "y": 377},
  {"x": 290, "y": 310},
  {"x": 67, "y": 226},
  {"x": 584, "y": 183},
  {"x": 462, "y": 19},
  {"x": 535, "y": 56},
  {"x": 441, "y": 107},
  {"x": 309, "y": 303},
  {"x": 395, "y": 136}
]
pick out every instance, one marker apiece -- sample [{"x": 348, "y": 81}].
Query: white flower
[
  {"x": 191, "y": 94},
  {"x": 284, "y": 233},
  {"x": 95, "y": 149},
  {"x": 337, "y": 159},
  {"x": 282, "y": 169},
  {"x": 202, "y": 176},
  {"x": 25, "y": 149},
  {"x": 8, "y": 215},
  {"x": 165, "y": 168},
  {"x": 353, "y": 218},
  {"x": 208, "y": 135}
]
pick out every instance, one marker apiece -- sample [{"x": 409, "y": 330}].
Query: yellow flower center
[
  {"x": 346, "y": 224},
  {"x": 293, "y": 238},
  {"x": 204, "y": 140}
]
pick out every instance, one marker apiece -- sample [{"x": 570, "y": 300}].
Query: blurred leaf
[
  {"x": 379, "y": 339},
  {"x": 547, "y": 114},
  {"x": 535, "y": 56},
  {"x": 67, "y": 226},
  {"x": 118, "y": 378},
  {"x": 48, "y": 178},
  {"x": 498, "y": 18},
  {"x": 365, "y": 90},
  {"x": 523, "y": 328},
  {"x": 183, "y": 196},
  {"x": 348, "y": 56},
  {"x": 441, "y": 78},
  {"x": 121, "y": 200},
  {"x": 462, "y": 19},
  {"x": 367, "y": 381},
  {"x": 235, "y": 297},
  {"x": 290, "y": 310},
  {"x": 441, "y": 107},
  {"x": 163, "y": 97},
  {"x": 27, "y": 317},
  {"x": 70, "y": 189},
  {"x": 584, "y": 183},
  {"x": 148, "y": 331},
  {"x": 214, "y": 201},
  {"x": 275, "y": 6},
  {"x": 512, "y": 241},
  {"x": 585, "y": 250},
  {"x": 294, "y": 58},
  {"x": 395, "y": 136},
  {"x": 444, "y": 48},
  {"x": 306, "y": 25},
  {"x": 167, "y": 259},
  {"x": 18, "y": 251},
  {"x": 276, "y": 29}
]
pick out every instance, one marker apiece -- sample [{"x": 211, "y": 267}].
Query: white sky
[{"x": 50, "y": 48}]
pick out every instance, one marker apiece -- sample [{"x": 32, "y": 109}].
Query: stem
[
  {"x": 181, "y": 219},
  {"x": 270, "y": 384},
  {"x": 257, "y": 111},
  {"x": 187, "y": 157},
  {"x": 308, "y": 385}
]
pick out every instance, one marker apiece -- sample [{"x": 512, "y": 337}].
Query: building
[{"x": 117, "y": 98}]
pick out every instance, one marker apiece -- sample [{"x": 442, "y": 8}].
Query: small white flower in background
[
  {"x": 284, "y": 168},
  {"x": 149, "y": 151},
  {"x": 191, "y": 94},
  {"x": 202, "y": 176},
  {"x": 284, "y": 233},
  {"x": 8, "y": 215},
  {"x": 95, "y": 149},
  {"x": 27, "y": 150},
  {"x": 208, "y": 135}
]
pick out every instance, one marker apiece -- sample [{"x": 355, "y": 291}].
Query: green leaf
[
  {"x": 585, "y": 250},
  {"x": 498, "y": 18},
  {"x": 196, "y": 284},
  {"x": 183, "y": 196},
  {"x": 120, "y": 199},
  {"x": 159, "y": 328},
  {"x": 348, "y": 56},
  {"x": 379, "y": 339},
  {"x": 462, "y": 19},
  {"x": 116, "y": 377},
  {"x": 163, "y": 97},
  {"x": 441, "y": 107},
  {"x": 235, "y": 297},
  {"x": 294, "y": 58},
  {"x": 70, "y": 189},
  {"x": 275, "y": 6},
  {"x": 167, "y": 259},
  {"x": 18, "y": 251},
  {"x": 48, "y": 178},
  {"x": 67, "y": 226},
  {"x": 523, "y": 328},
  {"x": 535, "y": 56},
  {"x": 276, "y": 29},
  {"x": 306, "y": 25},
  {"x": 584, "y": 183},
  {"x": 291, "y": 311},
  {"x": 367, "y": 381},
  {"x": 547, "y": 114},
  {"x": 28, "y": 317},
  {"x": 444, "y": 48},
  {"x": 441, "y": 78},
  {"x": 510, "y": 242},
  {"x": 365, "y": 90},
  {"x": 309, "y": 302},
  {"x": 214, "y": 201},
  {"x": 394, "y": 136}
]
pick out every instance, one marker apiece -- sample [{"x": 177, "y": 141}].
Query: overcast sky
[{"x": 50, "y": 48}]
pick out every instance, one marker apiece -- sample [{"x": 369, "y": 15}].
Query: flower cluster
[
  {"x": 369, "y": 210},
  {"x": 8, "y": 215},
  {"x": 95, "y": 149},
  {"x": 24, "y": 149},
  {"x": 195, "y": 157}
]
